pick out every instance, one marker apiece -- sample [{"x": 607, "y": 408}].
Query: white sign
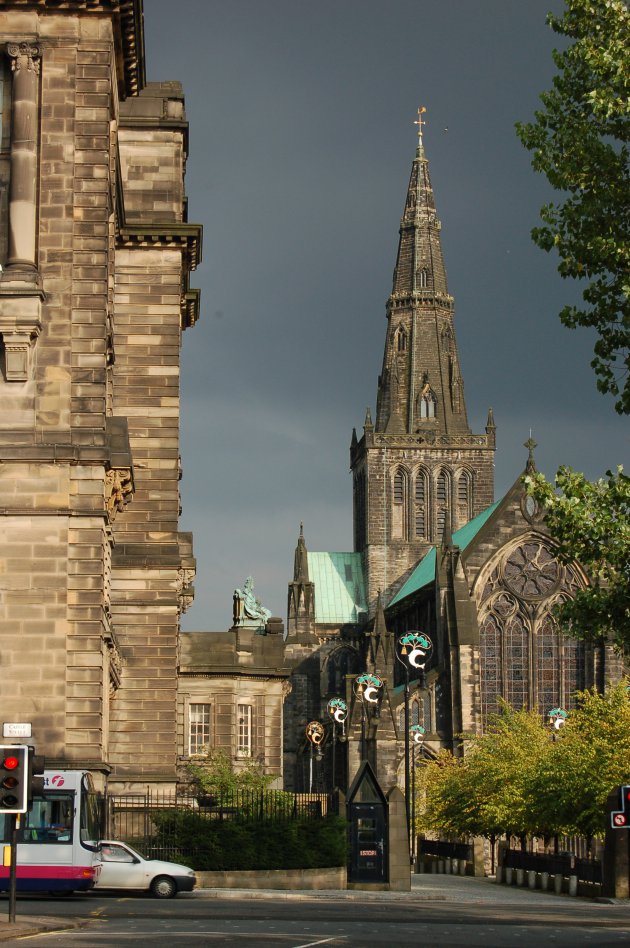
[{"x": 16, "y": 730}]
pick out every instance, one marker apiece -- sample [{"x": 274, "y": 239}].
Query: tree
[
  {"x": 591, "y": 523},
  {"x": 579, "y": 141},
  {"x": 214, "y": 775},
  {"x": 590, "y": 758}
]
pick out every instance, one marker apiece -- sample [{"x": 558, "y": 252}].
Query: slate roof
[
  {"x": 339, "y": 587},
  {"x": 424, "y": 573}
]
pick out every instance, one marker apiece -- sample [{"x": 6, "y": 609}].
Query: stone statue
[{"x": 248, "y": 610}]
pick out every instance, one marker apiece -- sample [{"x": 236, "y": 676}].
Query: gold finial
[{"x": 421, "y": 110}]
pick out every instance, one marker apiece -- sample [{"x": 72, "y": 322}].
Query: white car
[{"x": 118, "y": 866}]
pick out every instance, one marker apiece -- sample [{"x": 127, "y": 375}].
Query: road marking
[{"x": 310, "y": 944}]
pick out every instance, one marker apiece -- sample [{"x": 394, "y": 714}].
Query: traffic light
[
  {"x": 36, "y": 767},
  {"x": 620, "y": 819},
  {"x": 13, "y": 778}
]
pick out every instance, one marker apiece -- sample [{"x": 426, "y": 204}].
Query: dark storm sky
[{"x": 302, "y": 139}]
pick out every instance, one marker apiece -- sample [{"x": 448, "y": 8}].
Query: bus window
[
  {"x": 49, "y": 820},
  {"x": 90, "y": 814}
]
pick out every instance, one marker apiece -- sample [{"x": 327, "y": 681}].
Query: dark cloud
[{"x": 301, "y": 145}]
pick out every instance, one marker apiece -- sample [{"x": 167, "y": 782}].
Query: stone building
[
  {"x": 433, "y": 553},
  {"x": 232, "y": 686},
  {"x": 96, "y": 251}
]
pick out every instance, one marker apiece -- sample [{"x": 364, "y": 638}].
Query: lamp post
[
  {"x": 338, "y": 711},
  {"x": 557, "y": 719},
  {"x": 417, "y": 733},
  {"x": 367, "y": 688},
  {"x": 315, "y": 735},
  {"x": 413, "y": 650}
]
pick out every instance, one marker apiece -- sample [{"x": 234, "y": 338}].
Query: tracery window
[
  {"x": 401, "y": 339},
  {"x": 464, "y": 498},
  {"x": 525, "y": 659},
  {"x": 426, "y": 404}
]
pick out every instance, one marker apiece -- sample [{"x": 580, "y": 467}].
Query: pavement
[{"x": 424, "y": 888}]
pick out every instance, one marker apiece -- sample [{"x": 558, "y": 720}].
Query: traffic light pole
[{"x": 13, "y": 869}]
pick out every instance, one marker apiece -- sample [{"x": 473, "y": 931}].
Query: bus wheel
[
  {"x": 61, "y": 893},
  {"x": 163, "y": 887}
]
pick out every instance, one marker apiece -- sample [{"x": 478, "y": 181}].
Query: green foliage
[
  {"x": 590, "y": 758},
  {"x": 487, "y": 792},
  {"x": 213, "y": 844},
  {"x": 579, "y": 142},
  {"x": 591, "y": 523},
  {"x": 516, "y": 780},
  {"x": 214, "y": 775}
]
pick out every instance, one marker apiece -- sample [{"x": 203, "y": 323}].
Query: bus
[{"x": 57, "y": 838}]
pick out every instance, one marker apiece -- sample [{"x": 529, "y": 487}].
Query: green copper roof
[
  {"x": 424, "y": 573},
  {"x": 339, "y": 586}
]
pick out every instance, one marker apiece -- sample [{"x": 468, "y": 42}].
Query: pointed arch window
[
  {"x": 442, "y": 496},
  {"x": 464, "y": 497},
  {"x": 401, "y": 339},
  {"x": 421, "y": 499},
  {"x": 422, "y": 278},
  {"x": 400, "y": 498}
]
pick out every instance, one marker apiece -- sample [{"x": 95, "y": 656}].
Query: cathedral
[{"x": 434, "y": 554}]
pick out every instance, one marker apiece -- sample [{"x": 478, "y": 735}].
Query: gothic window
[
  {"x": 548, "y": 662},
  {"x": 399, "y": 506},
  {"x": 464, "y": 498},
  {"x": 427, "y": 717},
  {"x": 421, "y": 500},
  {"x": 442, "y": 497},
  {"x": 422, "y": 278},
  {"x": 525, "y": 659},
  {"x": 574, "y": 668},
  {"x": 199, "y": 728},
  {"x": 341, "y": 662},
  {"x": 516, "y": 662},
  {"x": 401, "y": 339}
]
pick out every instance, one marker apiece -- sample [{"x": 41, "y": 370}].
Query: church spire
[{"x": 421, "y": 386}]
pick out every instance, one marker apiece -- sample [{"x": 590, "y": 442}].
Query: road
[{"x": 446, "y": 913}]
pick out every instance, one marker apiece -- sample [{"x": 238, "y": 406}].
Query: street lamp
[
  {"x": 417, "y": 734},
  {"x": 338, "y": 711},
  {"x": 315, "y": 734},
  {"x": 368, "y": 689},
  {"x": 557, "y": 719},
  {"x": 413, "y": 649}
]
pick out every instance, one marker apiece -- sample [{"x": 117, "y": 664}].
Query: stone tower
[{"x": 419, "y": 469}]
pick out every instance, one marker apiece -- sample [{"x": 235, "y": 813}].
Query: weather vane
[{"x": 419, "y": 122}]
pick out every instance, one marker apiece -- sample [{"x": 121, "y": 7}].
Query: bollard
[
  {"x": 544, "y": 881},
  {"x": 433, "y": 867},
  {"x": 531, "y": 878},
  {"x": 557, "y": 883},
  {"x": 499, "y": 875},
  {"x": 520, "y": 876},
  {"x": 573, "y": 885},
  {"x": 462, "y": 867},
  {"x": 447, "y": 866},
  {"x": 509, "y": 875},
  {"x": 441, "y": 866}
]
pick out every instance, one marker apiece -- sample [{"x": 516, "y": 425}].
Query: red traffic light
[{"x": 10, "y": 763}]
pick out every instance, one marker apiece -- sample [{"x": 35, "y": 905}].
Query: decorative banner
[
  {"x": 337, "y": 709},
  {"x": 417, "y": 733},
  {"x": 315, "y": 732},
  {"x": 369, "y": 686},
  {"x": 416, "y": 647},
  {"x": 557, "y": 717}
]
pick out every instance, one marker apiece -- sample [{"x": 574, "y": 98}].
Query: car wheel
[{"x": 163, "y": 887}]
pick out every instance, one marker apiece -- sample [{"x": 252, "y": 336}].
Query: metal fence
[{"x": 134, "y": 818}]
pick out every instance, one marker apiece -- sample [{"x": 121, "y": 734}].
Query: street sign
[
  {"x": 16, "y": 729},
  {"x": 620, "y": 819}
]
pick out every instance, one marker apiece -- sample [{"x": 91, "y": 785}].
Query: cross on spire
[{"x": 419, "y": 122}]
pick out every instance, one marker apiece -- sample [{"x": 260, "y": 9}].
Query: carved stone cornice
[
  {"x": 185, "y": 237},
  {"x": 128, "y": 33}
]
